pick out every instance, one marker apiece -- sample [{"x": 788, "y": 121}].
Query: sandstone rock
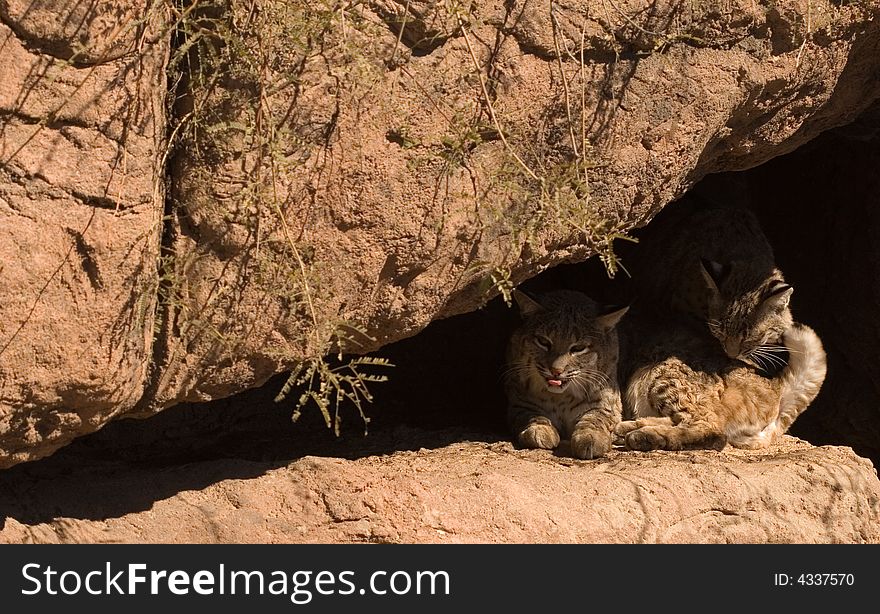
[
  {"x": 467, "y": 492},
  {"x": 347, "y": 176},
  {"x": 385, "y": 196},
  {"x": 82, "y": 33},
  {"x": 81, "y": 200}
]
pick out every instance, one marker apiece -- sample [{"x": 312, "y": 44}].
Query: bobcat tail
[{"x": 803, "y": 377}]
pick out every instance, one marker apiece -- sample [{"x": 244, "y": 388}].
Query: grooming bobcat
[
  {"x": 561, "y": 375},
  {"x": 715, "y": 355},
  {"x": 685, "y": 392}
]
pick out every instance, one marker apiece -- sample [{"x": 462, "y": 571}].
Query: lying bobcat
[
  {"x": 684, "y": 392},
  {"x": 561, "y": 376},
  {"x": 715, "y": 354}
]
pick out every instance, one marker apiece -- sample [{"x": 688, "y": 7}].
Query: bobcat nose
[
  {"x": 732, "y": 348},
  {"x": 556, "y": 370}
]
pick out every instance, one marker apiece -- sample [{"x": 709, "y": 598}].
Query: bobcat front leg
[
  {"x": 531, "y": 428},
  {"x": 661, "y": 433},
  {"x": 627, "y": 426},
  {"x": 802, "y": 377},
  {"x": 591, "y": 435},
  {"x": 699, "y": 434}
]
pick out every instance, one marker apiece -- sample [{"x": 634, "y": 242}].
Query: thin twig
[
  {"x": 426, "y": 93},
  {"x": 489, "y": 106},
  {"x": 307, "y": 291},
  {"x": 556, "y": 29},
  {"x": 583, "y": 97},
  {"x": 797, "y": 64},
  {"x": 400, "y": 34},
  {"x": 45, "y": 286},
  {"x": 634, "y": 24}
]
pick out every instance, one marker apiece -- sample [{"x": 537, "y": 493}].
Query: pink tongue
[{"x": 554, "y": 382}]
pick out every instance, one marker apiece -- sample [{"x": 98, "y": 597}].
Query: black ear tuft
[
  {"x": 604, "y": 310},
  {"x": 778, "y": 295},
  {"x": 610, "y": 315},
  {"x": 717, "y": 271}
]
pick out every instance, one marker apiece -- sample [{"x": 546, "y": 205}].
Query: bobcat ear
[
  {"x": 779, "y": 295},
  {"x": 714, "y": 273},
  {"x": 610, "y": 316},
  {"x": 527, "y": 305}
]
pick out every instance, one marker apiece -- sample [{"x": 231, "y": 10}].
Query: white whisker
[{"x": 766, "y": 358}]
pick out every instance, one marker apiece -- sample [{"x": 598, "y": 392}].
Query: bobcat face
[
  {"x": 750, "y": 323},
  {"x": 560, "y": 361},
  {"x": 564, "y": 345}
]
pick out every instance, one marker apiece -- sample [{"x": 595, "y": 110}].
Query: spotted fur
[
  {"x": 684, "y": 392},
  {"x": 716, "y": 356}
]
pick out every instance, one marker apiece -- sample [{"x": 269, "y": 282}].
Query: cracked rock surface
[
  {"x": 81, "y": 203},
  {"x": 462, "y": 492}
]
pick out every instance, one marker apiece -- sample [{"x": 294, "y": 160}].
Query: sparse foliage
[{"x": 240, "y": 66}]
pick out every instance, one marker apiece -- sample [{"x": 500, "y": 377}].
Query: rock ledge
[{"x": 478, "y": 492}]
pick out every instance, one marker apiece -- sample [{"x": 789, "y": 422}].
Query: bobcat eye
[
  {"x": 577, "y": 348},
  {"x": 543, "y": 342}
]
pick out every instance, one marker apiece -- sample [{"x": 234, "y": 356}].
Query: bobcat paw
[
  {"x": 754, "y": 443},
  {"x": 590, "y": 443},
  {"x": 542, "y": 436},
  {"x": 645, "y": 439},
  {"x": 620, "y": 431}
]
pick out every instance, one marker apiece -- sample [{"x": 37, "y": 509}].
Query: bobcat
[
  {"x": 714, "y": 265},
  {"x": 715, "y": 354},
  {"x": 561, "y": 375}
]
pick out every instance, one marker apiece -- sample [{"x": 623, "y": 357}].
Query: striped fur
[{"x": 560, "y": 376}]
